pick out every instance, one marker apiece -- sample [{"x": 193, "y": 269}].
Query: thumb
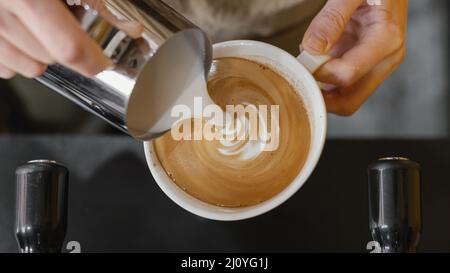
[{"x": 328, "y": 26}]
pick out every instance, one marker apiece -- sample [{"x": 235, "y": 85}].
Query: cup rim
[{"x": 208, "y": 211}]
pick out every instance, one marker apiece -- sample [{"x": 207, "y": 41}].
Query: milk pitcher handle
[{"x": 108, "y": 94}]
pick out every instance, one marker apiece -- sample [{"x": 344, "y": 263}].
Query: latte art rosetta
[
  {"x": 237, "y": 123},
  {"x": 246, "y": 139},
  {"x": 241, "y": 171}
]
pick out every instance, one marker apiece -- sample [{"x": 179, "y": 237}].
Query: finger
[
  {"x": 361, "y": 59},
  {"x": 381, "y": 36},
  {"x": 346, "y": 101},
  {"x": 6, "y": 73},
  {"x": 12, "y": 30},
  {"x": 133, "y": 29},
  {"x": 15, "y": 60},
  {"x": 60, "y": 33},
  {"x": 328, "y": 26},
  {"x": 347, "y": 41}
]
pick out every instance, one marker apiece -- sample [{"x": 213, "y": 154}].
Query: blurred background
[{"x": 413, "y": 103}]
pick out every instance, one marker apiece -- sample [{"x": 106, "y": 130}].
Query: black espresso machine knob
[
  {"x": 395, "y": 213},
  {"x": 41, "y": 206}
]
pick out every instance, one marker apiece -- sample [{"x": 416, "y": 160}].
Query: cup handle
[{"x": 313, "y": 62}]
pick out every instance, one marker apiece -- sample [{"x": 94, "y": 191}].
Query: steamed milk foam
[{"x": 240, "y": 172}]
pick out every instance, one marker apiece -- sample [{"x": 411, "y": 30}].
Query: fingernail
[
  {"x": 327, "y": 87},
  {"x": 106, "y": 64},
  {"x": 134, "y": 29},
  {"x": 316, "y": 44},
  {"x": 109, "y": 64}
]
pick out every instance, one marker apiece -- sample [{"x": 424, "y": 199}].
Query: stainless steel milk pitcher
[{"x": 108, "y": 94}]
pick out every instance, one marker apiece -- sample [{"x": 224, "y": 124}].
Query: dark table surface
[{"x": 115, "y": 205}]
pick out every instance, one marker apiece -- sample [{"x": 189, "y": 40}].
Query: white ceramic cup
[{"x": 307, "y": 88}]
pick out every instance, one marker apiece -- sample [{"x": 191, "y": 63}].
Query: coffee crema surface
[{"x": 239, "y": 173}]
